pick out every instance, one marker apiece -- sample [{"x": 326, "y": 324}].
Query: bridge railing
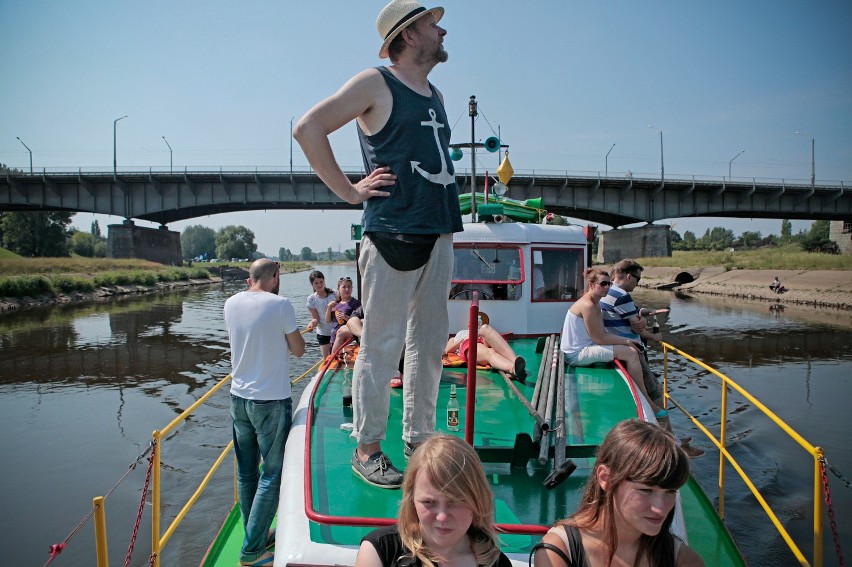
[{"x": 460, "y": 172}]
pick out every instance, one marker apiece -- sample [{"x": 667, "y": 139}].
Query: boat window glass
[
  {"x": 557, "y": 274},
  {"x": 495, "y": 272}
]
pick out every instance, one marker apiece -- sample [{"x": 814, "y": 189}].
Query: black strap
[{"x": 550, "y": 547}]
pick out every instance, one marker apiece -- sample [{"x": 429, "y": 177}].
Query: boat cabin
[{"x": 526, "y": 275}]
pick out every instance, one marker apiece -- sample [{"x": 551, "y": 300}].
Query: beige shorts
[{"x": 592, "y": 354}]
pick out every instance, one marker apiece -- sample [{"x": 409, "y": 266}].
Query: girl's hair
[
  {"x": 592, "y": 275},
  {"x": 634, "y": 451},
  {"x": 454, "y": 469},
  {"x": 318, "y": 274}
]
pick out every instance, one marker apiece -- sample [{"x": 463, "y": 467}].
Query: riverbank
[
  {"x": 817, "y": 288},
  {"x": 8, "y": 304}
]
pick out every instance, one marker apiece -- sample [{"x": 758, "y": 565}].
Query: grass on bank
[
  {"x": 788, "y": 257},
  {"x": 32, "y": 277}
]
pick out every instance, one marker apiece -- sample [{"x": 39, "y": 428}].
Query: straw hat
[{"x": 397, "y": 16}]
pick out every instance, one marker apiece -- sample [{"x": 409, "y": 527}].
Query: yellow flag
[{"x": 504, "y": 170}]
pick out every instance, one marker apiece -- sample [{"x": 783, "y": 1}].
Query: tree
[
  {"x": 349, "y": 254},
  {"x": 83, "y": 244},
  {"x": 749, "y": 239},
  {"x": 36, "y": 233},
  {"x": 96, "y": 229},
  {"x": 689, "y": 240},
  {"x": 816, "y": 239},
  {"x": 235, "y": 242},
  {"x": 307, "y": 254},
  {"x": 198, "y": 241},
  {"x": 786, "y": 229},
  {"x": 285, "y": 255},
  {"x": 717, "y": 238}
]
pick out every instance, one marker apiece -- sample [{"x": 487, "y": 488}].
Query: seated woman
[
  {"x": 585, "y": 340},
  {"x": 446, "y": 516},
  {"x": 627, "y": 507},
  {"x": 353, "y": 328},
  {"x": 339, "y": 311},
  {"x": 494, "y": 350}
]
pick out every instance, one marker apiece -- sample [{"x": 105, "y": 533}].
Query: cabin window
[
  {"x": 495, "y": 272},
  {"x": 557, "y": 274}
]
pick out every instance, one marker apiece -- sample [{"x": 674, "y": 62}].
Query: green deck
[{"x": 596, "y": 400}]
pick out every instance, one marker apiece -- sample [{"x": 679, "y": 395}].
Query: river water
[{"x": 82, "y": 388}]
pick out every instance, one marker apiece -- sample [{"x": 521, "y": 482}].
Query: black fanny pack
[{"x": 404, "y": 252}]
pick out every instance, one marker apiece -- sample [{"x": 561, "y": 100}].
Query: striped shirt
[{"x": 617, "y": 307}]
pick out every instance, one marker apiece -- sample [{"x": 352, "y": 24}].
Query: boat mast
[{"x": 471, "y": 110}]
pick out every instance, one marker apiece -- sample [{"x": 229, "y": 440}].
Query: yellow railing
[
  {"x": 724, "y": 455},
  {"x": 158, "y": 541}
]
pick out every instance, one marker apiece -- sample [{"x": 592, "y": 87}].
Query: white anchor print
[{"x": 443, "y": 177}]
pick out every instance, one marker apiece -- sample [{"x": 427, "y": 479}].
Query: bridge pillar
[
  {"x": 841, "y": 233},
  {"x": 127, "y": 240},
  {"x": 641, "y": 242}
]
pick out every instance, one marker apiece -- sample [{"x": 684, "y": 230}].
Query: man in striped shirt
[{"x": 623, "y": 318}]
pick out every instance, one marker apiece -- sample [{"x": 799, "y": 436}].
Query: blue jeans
[{"x": 260, "y": 430}]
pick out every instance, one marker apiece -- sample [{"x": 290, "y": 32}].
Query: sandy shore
[{"x": 818, "y": 288}]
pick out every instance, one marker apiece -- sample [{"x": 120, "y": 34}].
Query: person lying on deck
[
  {"x": 585, "y": 341},
  {"x": 627, "y": 507},
  {"x": 494, "y": 350},
  {"x": 446, "y": 516}
]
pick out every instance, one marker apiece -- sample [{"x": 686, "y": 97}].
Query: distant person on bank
[
  {"x": 263, "y": 333},
  {"x": 317, "y": 304},
  {"x": 585, "y": 341},
  {"x": 410, "y": 214}
]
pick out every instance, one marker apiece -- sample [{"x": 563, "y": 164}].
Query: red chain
[
  {"x": 831, "y": 521},
  {"x": 141, "y": 508}
]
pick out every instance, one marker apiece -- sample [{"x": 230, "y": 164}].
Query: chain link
[
  {"x": 141, "y": 508},
  {"x": 832, "y": 522}
]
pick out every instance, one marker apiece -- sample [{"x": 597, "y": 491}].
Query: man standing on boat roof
[
  {"x": 411, "y": 210},
  {"x": 260, "y": 323}
]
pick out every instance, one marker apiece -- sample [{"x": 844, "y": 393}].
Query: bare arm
[
  {"x": 594, "y": 325},
  {"x": 547, "y": 558},
  {"x": 296, "y": 343},
  {"x": 315, "y": 318},
  {"x": 356, "y": 99},
  {"x": 367, "y": 556},
  {"x": 452, "y": 345}
]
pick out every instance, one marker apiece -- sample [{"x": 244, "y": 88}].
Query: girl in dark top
[
  {"x": 446, "y": 516},
  {"x": 627, "y": 507}
]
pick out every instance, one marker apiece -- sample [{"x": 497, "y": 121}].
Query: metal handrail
[
  {"x": 725, "y": 456},
  {"x": 157, "y": 542}
]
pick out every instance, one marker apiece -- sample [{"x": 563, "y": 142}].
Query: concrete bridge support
[
  {"x": 841, "y": 233},
  {"x": 127, "y": 240},
  {"x": 642, "y": 242}
]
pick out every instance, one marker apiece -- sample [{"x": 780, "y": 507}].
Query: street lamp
[
  {"x": 114, "y": 161},
  {"x": 31, "y": 153},
  {"x": 662, "y": 167},
  {"x": 606, "y": 162},
  {"x": 813, "y": 171},
  {"x": 171, "y": 163},
  {"x": 732, "y": 161},
  {"x": 291, "y": 145}
]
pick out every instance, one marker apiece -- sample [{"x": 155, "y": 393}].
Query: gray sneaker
[
  {"x": 377, "y": 470},
  {"x": 409, "y": 448}
]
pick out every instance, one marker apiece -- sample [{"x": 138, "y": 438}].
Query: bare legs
[
  {"x": 496, "y": 351},
  {"x": 630, "y": 356}
]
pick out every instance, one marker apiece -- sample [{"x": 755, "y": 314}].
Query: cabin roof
[{"x": 521, "y": 233}]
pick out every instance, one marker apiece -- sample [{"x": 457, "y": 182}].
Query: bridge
[{"x": 164, "y": 197}]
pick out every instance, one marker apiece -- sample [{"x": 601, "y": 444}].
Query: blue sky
[{"x": 564, "y": 81}]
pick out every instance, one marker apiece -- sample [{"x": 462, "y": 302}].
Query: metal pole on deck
[
  {"x": 101, "y": 548},
  {"x": 470, "y": 391}
]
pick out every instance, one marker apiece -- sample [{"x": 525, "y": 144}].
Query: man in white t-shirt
[{"x": 259, "y": 324}]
